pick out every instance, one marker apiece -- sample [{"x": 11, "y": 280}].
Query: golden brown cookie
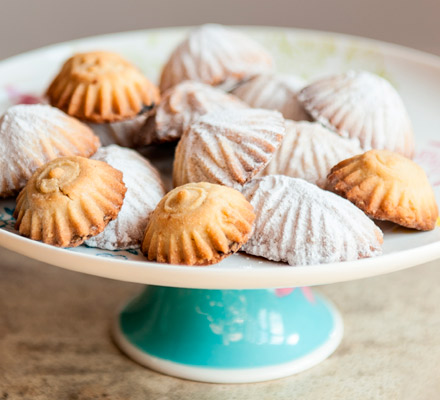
[
  {"x": 215, "y": 55},
  {"x": 101, "y": 87},
  {"x": 386, "y": 186},
  {"x": 32, "y": 135},
  {"x": 69, "y": 200},
  {"x": 198, "y": 224}
]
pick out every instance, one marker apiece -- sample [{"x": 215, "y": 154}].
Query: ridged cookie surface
[
  {"x": 386, "y": 186},
  {"x": 228, "y": 147},
  {"x": 299, "y": 223},
  {"x": 68, "y": 200},
  {"x": 198, "y": 224}
]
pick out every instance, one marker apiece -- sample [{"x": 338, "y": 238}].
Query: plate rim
[{"x": 171, "y": 275}]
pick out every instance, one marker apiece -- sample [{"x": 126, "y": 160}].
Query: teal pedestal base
[{"x": 227, "y": 336}]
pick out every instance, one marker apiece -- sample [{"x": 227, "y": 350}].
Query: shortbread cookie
[
  {"x": 274, "y": 92},
  {"x": 32, "y": 135},
  {"x": 215, "y": 55},
  {"x": 298, "y": 223},
  {"x": 68, "y": 200},
  {"x": 308, "y": 151},
  {"x": 364, "y": 106},
  {"x": 228, "y": 147},
  {"x": 180, "y": 106},
  {"x": 101, "y": 87},
  {"x": 387, "y": 186},
  {"x": 144, "y": 191},
  {"x": 198, "y": 224}
]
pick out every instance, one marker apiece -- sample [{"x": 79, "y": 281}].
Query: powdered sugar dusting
[
  {"x": 228, "y": 147},
  {"x": 301, "y": 224},
  {"x": 364, "y": 106},
  {"x": 274, "y": 92},
  {"x": 309, "y": 151},
  {"x": 144, "y": 191},
  {"x": 180, "y": 106},
  {"x": 31, "y": 135},
  {"x": 215, "y": 55}
]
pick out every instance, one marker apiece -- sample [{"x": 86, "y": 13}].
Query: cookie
[
  {"x": 198, "y": 224},
  {"x": 387, "y": 186},
  {"x": 180, "y": 106},
  {"x": 301, "y": 224},
  {"x": 100, "y": 87},
  {"x": 274, "y": 92},
  {"x": 228, "y": 147},
  {"x": 32, "y": 135},
  {"x": 215, "y": 55},
  {"x": 68, "y": 200},
  {"x": 362, "y": 105},
  {"x": 308, "y": 151},
  {"x": 144, "y": 190}
]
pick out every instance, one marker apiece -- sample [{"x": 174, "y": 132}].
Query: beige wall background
[{"x": 28, "y": 24}]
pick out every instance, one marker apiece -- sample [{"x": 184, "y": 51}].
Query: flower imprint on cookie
[
  {"x": 57, "y": 175},
  {"x": 188, "y": 199}
]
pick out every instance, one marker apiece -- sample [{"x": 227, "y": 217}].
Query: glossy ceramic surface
[
  {"x": 309, "y": 54},
  {"x": 228, "y": 335}
]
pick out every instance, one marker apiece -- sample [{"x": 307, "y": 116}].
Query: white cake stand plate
[{"x": 228, "y": 322}]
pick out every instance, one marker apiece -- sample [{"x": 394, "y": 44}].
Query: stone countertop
[{"x": 55, "y": 341}]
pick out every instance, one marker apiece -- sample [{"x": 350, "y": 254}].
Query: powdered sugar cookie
[
  {"x": 301, "y": 224},
  {"x": 308, "y": 151},
  {"x": 180, "y": 106},
  {"x": 215, "y": 55},
  {"x": 32, "y": 135},
  {"x": 274, "y": 92},
  {"x": 144, "y": 191},
  {"x": 228, "y": 147},
  {"x": 361, "y": 105}
]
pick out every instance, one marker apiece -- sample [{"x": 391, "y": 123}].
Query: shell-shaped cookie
[
  {"x": 299, "y": 223},
  {"x": 361, "y": 105},
  {"x": 180, "y": 106},
  {"x": 308, "y": 151},
  {"x": 144, "y": 191},
  {"x": 198, "y": 224},
  {"x": 122, "y": 133},
  {"x": 215, "y": 55},
  {"x": 274, "y": 92},
  {"x": 68, "y": 200},
  {"x": 101, "y": 87},
  {"x": 32, "y": 135},
  {"x": 228, "y": 147},
  {"x": 386, "y": 186}
]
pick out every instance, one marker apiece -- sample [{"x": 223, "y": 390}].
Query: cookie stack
[{"x": 264, "y": 162}]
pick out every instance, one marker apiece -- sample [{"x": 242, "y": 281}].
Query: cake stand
[{"x": 245, "y": 319}]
